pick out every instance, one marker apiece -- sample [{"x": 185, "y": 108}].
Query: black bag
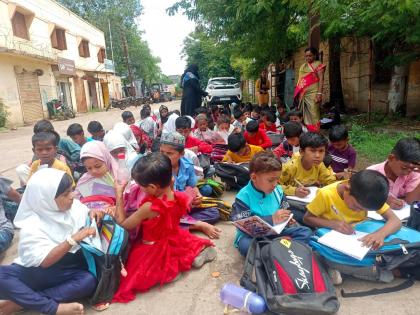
[
  {"x": 414, "y": 219},
  {"x": 205, "y": 162},
  {"x": 235, "y": 176},
  {"x": 276, "y": 138},
  {"x": 289, "y": 278}
]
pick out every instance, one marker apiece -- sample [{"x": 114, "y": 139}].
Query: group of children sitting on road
[{"x": 166, "y": 155}]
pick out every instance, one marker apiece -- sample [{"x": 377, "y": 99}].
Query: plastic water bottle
[
  {"x": 242, "y": 299},
  {"x": 123, "y": 174}
]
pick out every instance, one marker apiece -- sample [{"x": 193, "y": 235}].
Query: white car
[{"x": 223, "y": 90}]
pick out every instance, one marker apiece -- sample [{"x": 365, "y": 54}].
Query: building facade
[{"x": 47, "y": 52}]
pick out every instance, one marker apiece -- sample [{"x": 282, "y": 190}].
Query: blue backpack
[
  {"x": 107, "y": 266},
  {"x": 401, "y": 250}
]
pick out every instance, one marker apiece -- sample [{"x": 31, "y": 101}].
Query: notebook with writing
[{"x": 254, "y": 226}]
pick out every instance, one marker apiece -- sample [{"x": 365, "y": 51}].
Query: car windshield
[{"x": 223, "y": 82}]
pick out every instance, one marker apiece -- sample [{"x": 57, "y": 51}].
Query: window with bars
[
  {"x": 19, "y": 25},
  {"x": 58, "y": 39},
  {"x": 101, "y": 55},
  {"x": 84, "y": 49}
]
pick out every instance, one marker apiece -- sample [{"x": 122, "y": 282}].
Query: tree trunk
[
  {"x": 397, "y": 89},
  {"x": 336, "y": 89}
]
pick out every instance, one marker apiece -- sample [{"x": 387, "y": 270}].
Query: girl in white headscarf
[
  {"x": 116, "y": 144},
  {"x": 50, "y": 271},
  {"x": 124, "y": 130}
]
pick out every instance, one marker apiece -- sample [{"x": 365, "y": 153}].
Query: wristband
[
  {"x": 318, "y": 93},
  {"x": 71, "y": 241}
]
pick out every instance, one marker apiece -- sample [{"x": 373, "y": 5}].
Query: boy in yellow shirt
[
  {"x": 45, "y": 149},
  {"x": 239, "y": 151},
  {"x": 307, "y": 169},
  {"x": 339, "y": 205}
]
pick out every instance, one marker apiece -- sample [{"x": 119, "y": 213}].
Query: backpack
[
  {"x": 276, "y": 138},
  {"x": 401, "y": 250},
  {"x": 108, "y": 266},
  {"x": 235, "y": 176},
  {"x": 289, "y": 278}
]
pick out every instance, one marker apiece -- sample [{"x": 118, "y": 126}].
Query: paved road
[{"x": 196, "y": 292}]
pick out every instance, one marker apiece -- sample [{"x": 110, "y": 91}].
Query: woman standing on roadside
[
  {"x": 308, "y": 91},
  {"x": 192, "y": 92}
]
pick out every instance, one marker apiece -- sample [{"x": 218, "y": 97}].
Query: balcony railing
[{"x": 37, "y": 47}]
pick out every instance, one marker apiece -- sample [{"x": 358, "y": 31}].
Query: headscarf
[
  {"x": 97, "y": 150},
  {"x": 190, "y": 73},
  {"x": 43, "y": 226},
  {"x": 125, "y": 130},
  {"x": 169, "y": 126},
  {"x": 113, "y": 140},
  {"x": 163, "y": 119}
]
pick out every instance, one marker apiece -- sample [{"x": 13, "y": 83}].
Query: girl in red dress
[{"x": 164, "y": 250}]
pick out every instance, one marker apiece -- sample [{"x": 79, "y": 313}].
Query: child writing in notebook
[
  {"x": 263, "y": 197},
  {"x": 165, "y": 249},
  {"x": 340, "y": 205},
  {"x": 239, "y": 151}
]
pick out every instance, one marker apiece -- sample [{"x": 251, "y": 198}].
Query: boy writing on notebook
[
  {"x": 263, "y": 197},
  {"x": 239, "y": 151},
  {"x": 402, "y": 171},
  {"x": 341, "y": 204},
  {"x": 308, "y": 169}
]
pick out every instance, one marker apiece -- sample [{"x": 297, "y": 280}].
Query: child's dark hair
[
  {"x": 154, "y": 168},
  {"x": 297, "y": 113},
  {"x": 223, "y": 119},
  {"x": 264, "y": 162},
  {"x": 236, "y": 141},
  {"x": 126, "y": 115},
  {"x": 256, "y": 109},
  {"x": 43, "y": 125},
  {"x": 370, "y": 188},
  {"x": 292, "y": 129},
  {"x": 94, "y": 126},
  {"x": 312, "y": 140},
  {"x": 182, "y": 122},
  {"x": 65, "y": 183},
  {"x": 273, "y": 109},
  {"x": 270, "y": 116},
  {"x": 44, "y": 136},
  {"x": 407, "y": 150},
  {"x": 237, "y": 113},
  {"x": 248, "y": 107},
  {"x": 145, "y": 112},
  {"x": 252, "y": 126},
  {"x": 338, "y": 133},
  {"x": 74, "y": 130}
]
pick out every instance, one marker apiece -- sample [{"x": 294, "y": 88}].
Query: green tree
[
  {"x": 212, "y": 59},
  {"x": 122, "y": 16},
  {"x": 255, "y": 32}
]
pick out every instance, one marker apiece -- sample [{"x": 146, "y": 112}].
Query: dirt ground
[{"x": 196, "y": 292}]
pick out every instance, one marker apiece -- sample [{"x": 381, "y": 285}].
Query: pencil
[{"x": 298, "y": 182}]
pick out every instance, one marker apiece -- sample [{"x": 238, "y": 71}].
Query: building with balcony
[{"x": 47, "y": 52}]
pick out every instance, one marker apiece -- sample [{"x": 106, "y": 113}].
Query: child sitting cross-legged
[
  {"x": 308, "y": 169},
  {"x": 173, "y": 146},
  {"x": 268, "y": 121},
  {"x": 402, "y": 171},
  {"x": 45, "y": 149},
  {"x": 183, "y": 126},
  {"x": 265, "y": 198},
  {"x": 342, "y": 153},
  {"x": 256, "y": 136},
  {"x": 165, "y": 249},
  {"x": 96, "y": 130},
  {"x": 204, "y": 133},
  {"x": 223, "y": 127},
  {"x": 290, "y": 145},
  {"x": 297, "y": 116},
  {"x": 339, "y": 205},
  {"x": 76, "y": 133},
  {"x": 239, "y": 151}
]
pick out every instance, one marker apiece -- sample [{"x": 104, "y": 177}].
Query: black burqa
[{"x": 192, "y": 92}]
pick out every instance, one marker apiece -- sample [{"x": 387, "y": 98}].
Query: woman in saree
[
  {"x": 262, "y": 87},
  {"x": 308, "y": 91}
]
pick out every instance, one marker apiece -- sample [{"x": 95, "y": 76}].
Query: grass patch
[
  {"x": 95, "y": 110},
  {"x": 375, "y": 143}
]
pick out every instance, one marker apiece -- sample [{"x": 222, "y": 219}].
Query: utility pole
[
  {"x": 127, "y": 60},
  {"x": 112, "y": 47}
]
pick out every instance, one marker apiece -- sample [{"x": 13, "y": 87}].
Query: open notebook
[
  {"x": 402, "y": 214},
  {"x": 102, "y": 237},
  {"x": 255, "y": 226},
  {"x": 308, "y": 198},
  {"x": 346, "y": 244}
]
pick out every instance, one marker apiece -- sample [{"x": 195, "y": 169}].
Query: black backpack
[
  {"x": 289, "y": 278},
  {"x": 235, "y": 176}
]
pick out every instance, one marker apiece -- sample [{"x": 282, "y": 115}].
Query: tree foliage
[
  {"x": 213, "y": 60},
  {"x": 122, "y": 15},
  {"x": 254, "y": 32}
]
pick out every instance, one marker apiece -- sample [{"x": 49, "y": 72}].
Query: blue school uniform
[
  {"x": 186, "y": 175},
  {"x": 251, "y": 201}
]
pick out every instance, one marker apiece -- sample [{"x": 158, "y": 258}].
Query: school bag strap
[
  {"x": 246, "y": 280},
  {"x": 402, "y": 286}
]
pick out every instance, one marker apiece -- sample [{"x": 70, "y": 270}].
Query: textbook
[
  {"x": 255, "y": 226},
  {"x": 402, "y": 214},
  {"x": 102, "y": 237},
  {"x": 313, "y": 190},
  {"x": 346, "y": 244}
]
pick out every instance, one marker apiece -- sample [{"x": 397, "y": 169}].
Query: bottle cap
[{"x": 121, "y": 156}]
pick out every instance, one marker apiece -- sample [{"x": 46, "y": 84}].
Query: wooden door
[{"x": 30, "y": 97}]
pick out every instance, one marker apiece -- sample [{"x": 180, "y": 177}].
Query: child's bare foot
[
  {"x": 208, "y": 229},
  {"x": 207, "y": 254},
  {"x": 70, "y": 309},
  {"x": 9, "y": 307}
]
